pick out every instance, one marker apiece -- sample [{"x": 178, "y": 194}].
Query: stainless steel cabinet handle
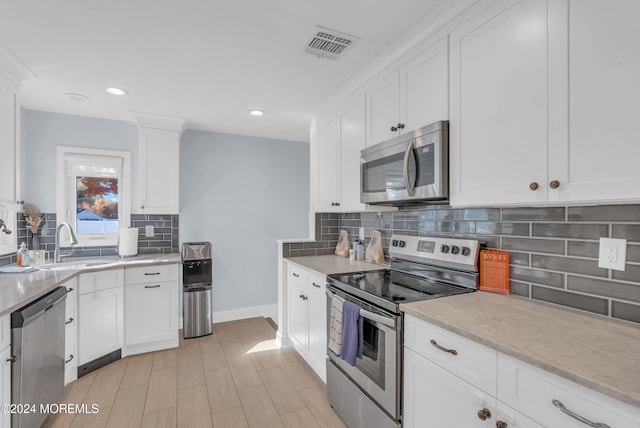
[
  {"x": 70, "y": 320},
  {"x": 450, "y": 351},
  {"x": 296, "y": 275},
  {"x": 69, "y": 360},
  {"x": 316, "y": 285},
  {"x": 151, "y": 273},
  {"x": 69, "y": 290},
  {"x": 12, "y": 359},
  {"x": 577, "y": 417},
  {"x": 152, "y": 286}
]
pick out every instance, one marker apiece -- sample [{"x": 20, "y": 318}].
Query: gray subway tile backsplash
[
  {"x": 605, "y": 213},
  {"x": 573, "y": 300},
  {"x": 570, "y": 230},
  {"x": 553, "y": 250}
]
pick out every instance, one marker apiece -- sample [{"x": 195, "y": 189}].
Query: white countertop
[
  {"x": 18, "y": 289},
  {"x": 330, "y": 264},
  {"x": 600, "y": 353}
]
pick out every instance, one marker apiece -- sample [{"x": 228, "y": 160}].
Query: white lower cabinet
[
  {"x": 71, "y": 332},
  {"x": 100, "y": 314},
  {"x": 151, "y": 308},
  {"x": 307, "y": 316},
  {"x": 441, "y": 389},
  {"x": 5, "y": 369}
]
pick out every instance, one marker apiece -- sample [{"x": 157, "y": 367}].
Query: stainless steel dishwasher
[{"x": 37, "y": 348}]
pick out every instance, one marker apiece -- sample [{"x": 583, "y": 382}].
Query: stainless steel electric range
[{"x": 369, "y": 393}]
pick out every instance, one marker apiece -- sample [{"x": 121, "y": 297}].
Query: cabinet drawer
[
  {"x": 532, "y": 391},
  {"x": 96, "y": 281},
  {"x": 5, "y": 331},
  {"x": 296, "y": 274},
  {"x": 469, "y": 360},
  {"x": 148, "y": 274}
]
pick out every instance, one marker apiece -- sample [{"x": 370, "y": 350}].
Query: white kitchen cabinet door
[
  {"x": 151, "y": 312},
  {"x": 499, "y": 132},
  {"x": 317, "y": 307},
  {"x": 298, "y": 321},
  {"x": 328, "y": 169},
  {"x": 351, "y": 137},
  {"x": 100, "y": 323},
  {"x": 159, "y": 152},
  {"x": 433, "y": 397},
  {"x": 71, "y": 338},
  {"x": 424, "y": 87},
  {"x": 5, "y": 382},
  {"x": 8, "y": 160},
  {"x": 383, "y": 109},
  {"x": 598, "y": 158}
]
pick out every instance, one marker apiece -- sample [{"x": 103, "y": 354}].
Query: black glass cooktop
[{"x": 390, "y": 288}]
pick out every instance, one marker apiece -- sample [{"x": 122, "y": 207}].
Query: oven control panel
[{"x": 436, "y": 250}]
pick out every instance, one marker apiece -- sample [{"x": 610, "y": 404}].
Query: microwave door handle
[{"x": 411, "y": 190}]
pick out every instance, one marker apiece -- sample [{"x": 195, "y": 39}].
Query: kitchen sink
[{"x": 75, "y": 265}]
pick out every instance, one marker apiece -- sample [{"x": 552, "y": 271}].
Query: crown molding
[
  {"x": 158, "y": 121},
  {"x": 12, "y": 68}
]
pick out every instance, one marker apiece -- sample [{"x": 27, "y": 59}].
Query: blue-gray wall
[
  {"x": 242, "y": 193},
  {"x": 41, "y": 132}
]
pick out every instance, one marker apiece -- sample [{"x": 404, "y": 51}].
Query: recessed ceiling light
[
  {"x": 116, "y": 91},
  {"x": 77, "y": 97},
  {"x": 256, "y": 113}
]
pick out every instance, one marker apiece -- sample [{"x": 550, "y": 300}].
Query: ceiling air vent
[{"x": 328, "y": 43}]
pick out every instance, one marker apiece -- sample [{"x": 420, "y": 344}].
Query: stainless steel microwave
[{"x": 408, "y": 169}]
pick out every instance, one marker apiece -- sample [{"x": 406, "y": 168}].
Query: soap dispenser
[{"x": 22, "y": 256}]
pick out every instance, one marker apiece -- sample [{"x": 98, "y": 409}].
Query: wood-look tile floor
[{"x": 235, "y": 377}]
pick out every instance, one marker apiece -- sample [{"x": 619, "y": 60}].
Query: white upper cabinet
[
  {"x": 159, "y": 153},
  {"x": 337, "y": 140},
  {"x": 499, "y": 132},
  {"x": 415, "y": 94},
  {"x": 8, "y": 142},
  {"x": 544, "y": 96},
  {"x": 599, "y": 160}
]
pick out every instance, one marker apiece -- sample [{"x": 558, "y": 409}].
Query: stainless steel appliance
[
  {"x": 369, "y": 393},
  {"x": 410, "y": 168},
  {"x": 37, "y": 349},
  {"x": 197, "y": 279}
]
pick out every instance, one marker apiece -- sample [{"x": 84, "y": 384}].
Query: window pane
[{"x": 96, "y": 205}]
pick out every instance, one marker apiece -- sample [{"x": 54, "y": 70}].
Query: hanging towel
[
  {"x": 335, "y": 324},
  {"x": 352, "y": 324}
]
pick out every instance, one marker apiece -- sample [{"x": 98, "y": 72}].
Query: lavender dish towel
[{"x": 352, "y": 324}]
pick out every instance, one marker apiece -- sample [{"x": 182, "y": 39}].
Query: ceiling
[{"x": 209, "y": 61}]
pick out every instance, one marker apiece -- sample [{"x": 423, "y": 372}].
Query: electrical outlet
[
  {"x": 149, "y": 231},
  {"x": 613, "y": 253},
  {"x": 361, "y": 233}
]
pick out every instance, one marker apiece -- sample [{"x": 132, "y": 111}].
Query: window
[{"x": 93, "y": 194}]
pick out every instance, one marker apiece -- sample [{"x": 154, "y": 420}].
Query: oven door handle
[
  {"x": 389, "y": 322},
  {"x": 411, "y": 189}
]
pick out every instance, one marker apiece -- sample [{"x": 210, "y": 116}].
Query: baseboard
[
  {"x": 151, "y": 346},
  {"x": 267, "y": 311}
]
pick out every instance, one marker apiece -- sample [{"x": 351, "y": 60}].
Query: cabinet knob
[
  {"x": 401, "y": 126},
  {"x": 484, "y": 414},
  {"x": 394, "y": 128},
  {"x": 533, "y": 186},
  {"x": 501, "y": 424},
  {"x": 554, "y": 184}
]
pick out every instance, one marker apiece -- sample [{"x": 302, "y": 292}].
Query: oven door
[
  {"x": 414, "y": 168},
  {"x": 377, "y": 373}
]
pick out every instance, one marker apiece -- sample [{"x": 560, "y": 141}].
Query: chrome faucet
[{"x": 74, "y": 240}]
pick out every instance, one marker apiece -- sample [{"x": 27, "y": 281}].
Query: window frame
[{"x": 66, "y": 194}]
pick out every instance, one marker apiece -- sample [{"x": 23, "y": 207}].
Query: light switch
[
  {"x": 149, "y": 232},
  {"x": 613, "y": 253}
]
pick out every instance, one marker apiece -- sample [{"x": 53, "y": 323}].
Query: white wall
[
  {"x": 242, "y": 193},
  {"x": 41, "y": 132}
]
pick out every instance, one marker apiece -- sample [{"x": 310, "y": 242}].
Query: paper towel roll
[{"x": 127, "y": 241}]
